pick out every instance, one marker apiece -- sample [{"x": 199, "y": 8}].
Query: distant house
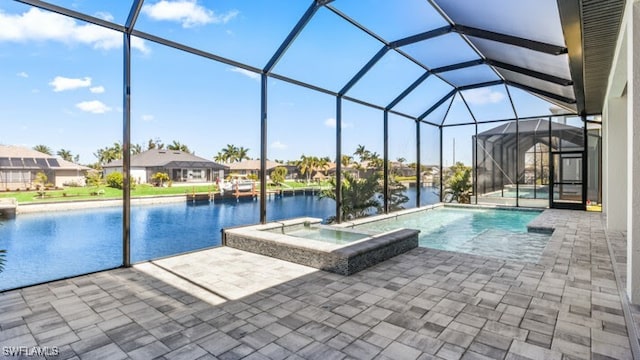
[
  {"x": 180, "y": 166},
  {"x": 250, "y": 167},
  {"x": 19, "y": 166}
]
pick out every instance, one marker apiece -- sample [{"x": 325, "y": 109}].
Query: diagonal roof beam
[
  {"x": 435, "y": 106},
  {"x": 532, "y": 73},
  {"x": 304, "y": 20},
  {"x": 570, "y": 15},
  {"x": 133, "y": 15},
  {"x": 408, "y": 90},
  {"x": 457, "y": 66},
  {"x": 364, "y": 70},
  {"x": 512, "y": 40},
  {"x": 541, "y": 92},
  {"x": 420, "y": 37}
]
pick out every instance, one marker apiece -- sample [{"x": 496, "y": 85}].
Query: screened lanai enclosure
[{"x": 390, "y": 99}]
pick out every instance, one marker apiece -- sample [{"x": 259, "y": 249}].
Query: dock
[{"x": 8, "y": 208}]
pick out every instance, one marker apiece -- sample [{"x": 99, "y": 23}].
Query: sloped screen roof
[{"x": 341, "y": 47}]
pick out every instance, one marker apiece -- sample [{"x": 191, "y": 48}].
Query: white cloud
[
  {"x": 483, "y": 96},
  {"x": 23, "y": 74},
  {"x": 331, "y": 122},
  {"x": 278, "y": 145},
  {"x": 147, "y": 117},
  {"x": 61, "y": 83},
  {"x": 187, "y": 12},
  {"x": 247, "y": 73},
  {"x": 104, "y": 16},
  {"x": 97, "y": 89},
  {"x": 94, "y": 106},
  {"x": 39, "y": 25}
]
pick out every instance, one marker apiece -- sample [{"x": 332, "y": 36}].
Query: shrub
[
  {"x": 41, "y": 179},
  {"x": 278, "y": 175},
  {"x": 116, "y": 180},
  {"x": 159, "y": 178},
  {"x": 94, "y": 178},
  {"x": 459, "y": 184}
]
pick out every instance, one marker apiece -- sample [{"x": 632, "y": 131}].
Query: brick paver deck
[{"x": 425, "y": 304}]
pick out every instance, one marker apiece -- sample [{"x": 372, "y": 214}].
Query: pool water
[
  {"x": 490, "y": 232},
  {"x": 524, "y": 193},
  {"x": 327, "y": 235}
]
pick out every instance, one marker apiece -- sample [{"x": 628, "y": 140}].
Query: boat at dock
[{"x": 238, "y": 184}]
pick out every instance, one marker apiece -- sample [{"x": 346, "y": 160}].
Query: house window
[{"x": 197, "y": 174}]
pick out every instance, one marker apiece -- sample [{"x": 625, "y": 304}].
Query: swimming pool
[
  {"x": 524, "y": 192},
  {"x": 323, "y": 233},
  {"x": 490, "y": 232},
  {"x": 336, "y": 249}
]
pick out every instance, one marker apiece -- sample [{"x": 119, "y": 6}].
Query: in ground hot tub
[{"x": 305, "y": 241}]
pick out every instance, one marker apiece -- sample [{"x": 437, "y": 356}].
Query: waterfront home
[
  {"x": 182, "y": 167},
  {"x": 19, "y": 166}
]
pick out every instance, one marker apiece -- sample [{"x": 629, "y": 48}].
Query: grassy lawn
[{"x": 84, "y": 193}]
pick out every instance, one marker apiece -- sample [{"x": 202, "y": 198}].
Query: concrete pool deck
[{"x": 425, "y": 304}]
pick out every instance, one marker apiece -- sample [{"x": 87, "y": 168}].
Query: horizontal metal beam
[
  {"x": 457, "y": 66},
  {"x": 74, "y": 14},
  {"x": 192, "y": 50},
  {"x": 364, "y": 70},
  {"x": 429, "y": 123},
  {"x": 541, "y": 92},
  {"x": 512, "y": 40},
  {"x": 532, "y": 73},
  {"x": 302, "y": 84},
  {"x": 480, "y": 85},
  {"x": 435, "y": 106},
  {"x": 361, "y": 102},
  {"x": 420, "y": 37}
]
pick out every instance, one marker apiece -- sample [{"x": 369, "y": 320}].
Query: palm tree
[
  {"x": 361, "y": 152},
  {"x": 136, "y": 149},
  {"x": 242, "y": 153},
  {"x": 230, "y": 153},
  {"x": 322, "y": 164},
  {"x": 176, "y": 145},
  {"x": 65, "y": 155},
  {"x": 155, "y": 144},
  {"x": 43, "y": 149},
  {"x": 358, "y": 195},
  {"x": 220, "y": 157},
  {"x": 306, "y": 165},
  {"x": 346, "y": 160},
  {"x": 108, "y": 154}
]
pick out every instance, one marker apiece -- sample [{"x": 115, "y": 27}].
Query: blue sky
[{"x": 61, "y": 79}]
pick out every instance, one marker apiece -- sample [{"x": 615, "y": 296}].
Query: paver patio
[{"x": 228, "y": 304}]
